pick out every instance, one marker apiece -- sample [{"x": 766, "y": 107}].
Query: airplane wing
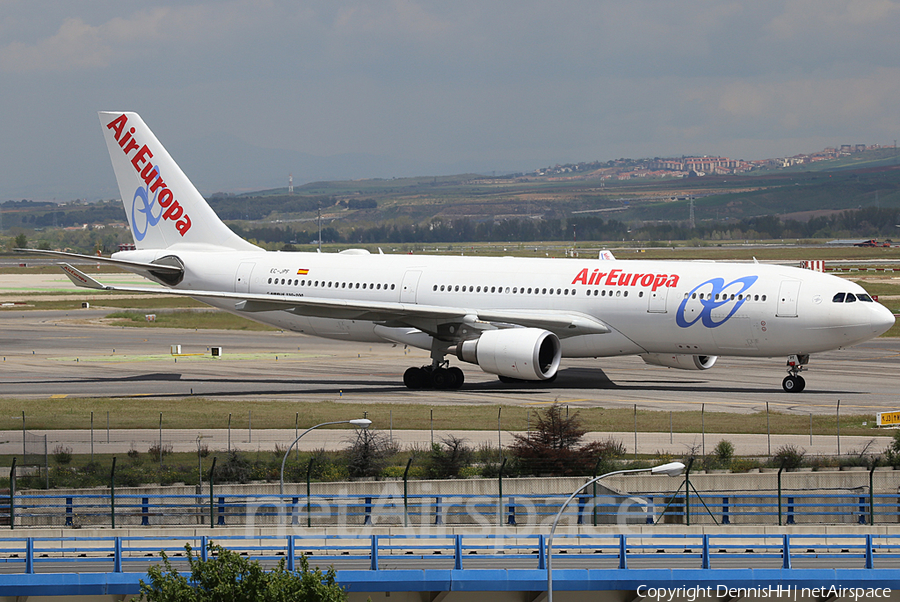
[{"x": 429, "y": 318}]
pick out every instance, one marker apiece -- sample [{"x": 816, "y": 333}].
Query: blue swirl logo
[
  {"x": 719, "y": 295},
  {"x": 145, "y": 208}
]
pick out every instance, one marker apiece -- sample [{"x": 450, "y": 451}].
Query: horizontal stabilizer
[{"x": 81, "y": 279}]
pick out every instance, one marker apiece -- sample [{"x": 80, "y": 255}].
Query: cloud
[{"x": 80, "y": 45}]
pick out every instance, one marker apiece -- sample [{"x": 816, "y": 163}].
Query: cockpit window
[
  {"x": 838, "y": 298},
  {"x": 864, "y": 297},
  {"x": 850, "y": 298}
]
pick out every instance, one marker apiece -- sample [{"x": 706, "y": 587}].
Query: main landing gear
[
  {"x": 434, "y": 377},
  {"x": 793, "y": 382}
]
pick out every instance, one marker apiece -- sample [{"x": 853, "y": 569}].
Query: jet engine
[
  {"x": 522, "y": 353},
  {"x": 680, "y": 361}
]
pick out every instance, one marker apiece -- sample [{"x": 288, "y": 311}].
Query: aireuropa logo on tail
[{"x": 169, "y": 207}]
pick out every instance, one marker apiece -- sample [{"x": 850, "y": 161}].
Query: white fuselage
[{"x": 668, "y": 307}]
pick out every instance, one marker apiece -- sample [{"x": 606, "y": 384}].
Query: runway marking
[
  {"x": 59, "y": 396},
  {"x": 192, "y": 357}
]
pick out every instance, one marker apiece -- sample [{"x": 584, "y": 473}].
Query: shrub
[
  {"x": 62, "y": 455},
  {"x": 788, "y": 456},
  {"x": 228, "y": 576}
]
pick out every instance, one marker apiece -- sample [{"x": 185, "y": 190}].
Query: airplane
[{"x": 516, "y": 318}]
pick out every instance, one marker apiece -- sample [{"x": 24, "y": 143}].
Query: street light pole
[
  {"x": 671, "y": 469},
  {"x": 357, "y": 422}
]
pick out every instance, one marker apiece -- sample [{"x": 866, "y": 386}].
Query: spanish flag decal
[{"x": 302, "y": 272}]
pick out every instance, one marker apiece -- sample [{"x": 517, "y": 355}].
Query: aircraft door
[
  {"x": 409, "y": 286},
  {"x": 242, "y": 277},
  {"x": 788, "y": 295},
  {"x": 658, "y": 300}
]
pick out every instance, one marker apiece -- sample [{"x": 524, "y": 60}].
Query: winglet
[{"x": 81, "y": 279}]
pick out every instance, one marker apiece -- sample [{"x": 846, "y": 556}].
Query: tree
[
  {"x": 369, "y": 454},
  {"x": 228, "y": 576},
  {"x": 553, "y": 446},
  {"x": 21, "y": 241},
  {"x": 448, "y": 459}
]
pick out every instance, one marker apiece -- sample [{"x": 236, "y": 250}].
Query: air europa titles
[
  {"x": 619, "y": 278},
  {"x": 150, "y": 174}
]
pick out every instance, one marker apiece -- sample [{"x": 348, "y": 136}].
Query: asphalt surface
[{"x": 72, "y": 353}]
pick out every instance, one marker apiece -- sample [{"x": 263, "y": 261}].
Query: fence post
[
  {"x": 790, "y": 510},
  {"x": 870, "y": 561},
  {"x": 438, "y": 510},
  {"x": 780, "y": 469},
  {"x": 406, "y": 493},
  {"x": 221, "y": 520},
  {"x": 145, "y": 511},
  {"x": 212, "y": 506},
  {"x": 69, "y": 511},
  {"x": 623, "y": 552},
  {"x": 12, "y": 493},
  {"x": 46, "y": 462},
  {"x": 704, "y": 559},
  {"x": 511, "y": 512},
  {"x": 291, "y": 554},
  {"x": 374, "y": 553},
  {"x": 786, "y": 552},
  {"x": 542, "y": 553},
  {"x": 687, "y": 493},
  {"x": 112, "y": 493},
  {"x": 117, "y": 556},
  {"x": 457, "y": 553},
  {"x": 726, "y": 519},
  {"x": 500, "y": 493},
  {"x": 308, "y": 492},
  {"x": 29, "y": 555},
  {"x": 872, "y": 492}
]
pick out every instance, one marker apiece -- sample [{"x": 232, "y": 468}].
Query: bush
[
  {"x": 892, "y": 452},
  {"x": 62, "y": 455},
  {"x": 724, "y": 451},
  {"x": 228, "y": 576},
  {"x": 449, "y": 458},
  {"x": 788, "y": 456}
]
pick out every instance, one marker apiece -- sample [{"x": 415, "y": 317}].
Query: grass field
[{"x": 197, "y": 412}]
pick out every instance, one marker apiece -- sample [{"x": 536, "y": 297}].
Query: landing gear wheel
[
  {"x": 457, "y": 376},
  {"x": 441, "y": 379},
  {"x": 416, "y": 378},
  {"x": 793, "y": 383}
]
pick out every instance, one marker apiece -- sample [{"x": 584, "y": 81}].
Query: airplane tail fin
[{"x": 163, "y": 207}]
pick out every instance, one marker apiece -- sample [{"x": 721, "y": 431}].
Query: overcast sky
[{"x": 435, "y": 85}]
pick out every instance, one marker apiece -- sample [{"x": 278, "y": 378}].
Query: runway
[{"x": 72, "y": 354}]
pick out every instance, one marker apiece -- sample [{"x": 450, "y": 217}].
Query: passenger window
[
  {"x": 641, "y": 294},
  {"x": 838, "y": 298},
  {"x": 392, "y": 286},
  {"x": 626, "y": 294},
  {"x": 456, "y": 289},
  {"x": 763, "y": 297},
  {"x": 270, "y": 281},
  {"x": 850, "y": 298}
]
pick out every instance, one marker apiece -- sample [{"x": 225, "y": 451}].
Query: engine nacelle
[
  {"x": 680, "y": 361},
  {"x": 523, "y": 353}
]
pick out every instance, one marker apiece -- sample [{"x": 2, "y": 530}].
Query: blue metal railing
[
  {"x": 371, "y": 552},
  {"x": 72, "y": 510}
]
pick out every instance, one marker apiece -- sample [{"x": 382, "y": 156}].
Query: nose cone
[{"x": 882, "y": 319}]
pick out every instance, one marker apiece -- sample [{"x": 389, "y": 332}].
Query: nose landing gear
[{"x": 793, "y": 382}]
